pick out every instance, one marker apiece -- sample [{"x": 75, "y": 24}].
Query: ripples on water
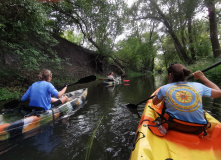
[{"x": 69, "y": 138}]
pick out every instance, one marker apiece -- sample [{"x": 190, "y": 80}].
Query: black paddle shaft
[
  {"x": 211, "y": 67},
  {"x": 136, "y": 105},
  {"x": 83, "y": 80},
  {"x": 206, "y": 69},
  {"x": 146, "y": 100}
]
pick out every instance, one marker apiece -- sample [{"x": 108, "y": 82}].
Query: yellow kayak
[{"x": 175, "y": 145}]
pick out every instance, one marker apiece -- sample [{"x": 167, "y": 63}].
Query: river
[{"x": 102, "y": 129}]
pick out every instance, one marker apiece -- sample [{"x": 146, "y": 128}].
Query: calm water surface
[{"x": 72, "y": 137}]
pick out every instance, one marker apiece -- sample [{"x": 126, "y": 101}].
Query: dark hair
[
  {"x": 179, "y": 72},
  {"x": 110, "y": 73},
  {"x": 44, "y": 75}
]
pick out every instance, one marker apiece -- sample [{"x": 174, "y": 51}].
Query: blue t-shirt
[
  {"x": 40, "y": 94},
  {"x": 184, "y": 100}
]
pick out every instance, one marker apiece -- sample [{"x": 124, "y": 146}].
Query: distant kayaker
[
  {"x": 184, "y": 99},
  {"x": 110, "y": 77},
  {"x": 41, "y": 91}
]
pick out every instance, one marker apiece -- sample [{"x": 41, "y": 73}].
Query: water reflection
[
  {"x": 46, "y": 141},
  {"x": 42, "y": 141}
]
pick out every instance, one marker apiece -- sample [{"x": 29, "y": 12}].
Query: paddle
[
  {"x": 83, "y": 80},
  {"x": 206, "y": 69},
  {"x": 136, "y": 105},
  {"x": 15, "y": 103}
]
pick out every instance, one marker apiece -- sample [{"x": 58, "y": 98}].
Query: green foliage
[
  {"x": 98, "y": 20},
  {"x": 25, "y": 31},
  {"x": 27, "y": 26},
  {"x": 72, "y": 37},
  {"x": 127, "y": 50},
  {"x": 59, "y": 81},
  {"x": 6, "y": 94},
  {"x": 131, "y": 73},
  {"x": 202, "y": 43},
  {"x": 169, "y": 54},
  {"x": 138, "y": 53},
  {"x": 187, "y": 37},
  {"x": 214, "y": 74}
]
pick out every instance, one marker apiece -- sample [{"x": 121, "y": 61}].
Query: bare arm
[
  {"x": 60, "y": 93},
  {"x": 215, "y": 93},
  {"x": 199, "y": 75},
  {"x": 156, "y": 100}
]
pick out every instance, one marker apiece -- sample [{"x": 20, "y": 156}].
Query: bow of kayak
[{"x": 175, "y": 145}]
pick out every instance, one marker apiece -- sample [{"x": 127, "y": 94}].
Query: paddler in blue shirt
[{"x": 41, "y": 91}]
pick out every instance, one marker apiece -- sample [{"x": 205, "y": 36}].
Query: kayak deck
[
  {"x": 11, "y": 127},
  {"x": 175, "y": 145}
]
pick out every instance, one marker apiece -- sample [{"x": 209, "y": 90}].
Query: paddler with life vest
[{"x": 183, "y": 100}]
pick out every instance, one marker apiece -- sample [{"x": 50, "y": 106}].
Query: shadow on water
[
  {"x": 113, "y": 139},
  {"x": 135, "y": 111}
]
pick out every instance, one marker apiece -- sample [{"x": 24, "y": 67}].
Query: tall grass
[{"x": 90, "y": 142}]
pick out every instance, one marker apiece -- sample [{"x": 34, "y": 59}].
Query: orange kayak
[{"x": 175, "y": 145}]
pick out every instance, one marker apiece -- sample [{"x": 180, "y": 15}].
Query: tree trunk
[
  {"x": 213, "y": 28},
  {"x": 192, "y": 50},
  {"x": 152, "y": 64},
  {"x": 181, "y": 52}
]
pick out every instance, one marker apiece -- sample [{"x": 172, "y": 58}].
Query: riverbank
[
  {"x": 70, "y": 63},
  {"x": 15, "y": 82}
]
